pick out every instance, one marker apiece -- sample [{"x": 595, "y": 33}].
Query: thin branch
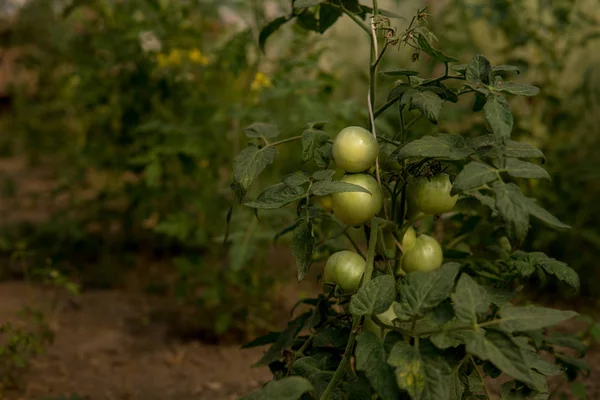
[{"x": 487, "y": 392}]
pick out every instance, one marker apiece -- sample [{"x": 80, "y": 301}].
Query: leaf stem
[
  {"x": 283, "y": 141},
  {"x": 481, "y": 377}
]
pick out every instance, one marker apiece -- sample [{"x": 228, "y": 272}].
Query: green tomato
[
  {"x": 357, "y": 208},
  {"x": 355, "y": 149},
  {"x": 431, "y": 196},
  {"x": 345, "y": 269},
  {"x": 389, "y": 242},
  {"x": 426, "y": 255},
  {"x": 505, "y": 244}
]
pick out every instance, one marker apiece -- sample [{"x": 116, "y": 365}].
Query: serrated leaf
[
  {"x": 460, "y": 68},
  {"x": 469, "y": 300},
  {"x": 519, "y": 319},
  {"x": 517, "y": 89},
  {"x": 262, "y": 130},
  {"x": 498, "y": 114},
  {"x": 276, "y": 196},
  {"x": 420, "y": 291},
  {"x": 322, "y": 188},
  {"x": 323, "y": 155},
  {"x": 536, "y": 362},
  {"x": 331, "y": 337},
  {"x": 269, "y": 338},
  {"x": 248, "y": 164},
  {"x": 502, "y": 351},
  {"x": 442, "y": 146},
  {"x": 375, "y": 297},
  {"x": 428, "y": 103},
  {"x": 448, "y": 336},
  {"x": 473, "y": 175},
  {"x": 284, "y": 340},
  {"x": 432, "y": 52},
  {"x": 524, "y": 169},
  {"x": 397, "y": 91},
  {"x": 505, "y": 68},
  {"x": 303, "y": 246},
  {"x": 371, "y": 359},
  {"x": 511, "y": 204},
  {"x": 485, "y": 200},
  {"x": 307, "y": 3},
  {"x": 563, "y": 339},
  {"x": 554, "y": 267},
  {"x": 478, "y": 70},
  {"x": 290, "y": 388},
  {"x": 521, "y": 150},
  {"x": 399, "y": 72},
  {"x": 324, "y": 175},
  {"x": 328, "y": 15},
  {"x": 296, "y": 179},
  {"x": 543, "y": 215},
  {"x": 409, "y": 368},
  {"x": 312, "y": 139},
  {"x": 269, "y": 29}
]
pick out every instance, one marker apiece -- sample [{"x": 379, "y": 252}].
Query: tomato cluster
[{"x": 355, "y": 150}]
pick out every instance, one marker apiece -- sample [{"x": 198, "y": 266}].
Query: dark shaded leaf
[
  {"x": 322, "y": 188},
  {"x": 290, "y": 388},
  {"x": 524, "y": 169},
  {"x": 262, "y": 130},
  {"x": 248, "y": 164},
  {"x": 303, "y": 246},
  {"x": 442, "y": 146},
  {"x": 473, "y": 175},
  {"x": 375, "y": 297},
  {"x": 519, "y": 319},
  {"x": 498, "y": 114},
  {"x": 371, "y": 359},
  {"x": 469, "y": 300},
  {"x": 478, "y": 70},
  {"x": 270, "y": 29}
]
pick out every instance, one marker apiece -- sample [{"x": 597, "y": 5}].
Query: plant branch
[{"x": 481, "y": 377}]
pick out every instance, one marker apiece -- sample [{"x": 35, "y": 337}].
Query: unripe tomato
[
  {"x": 389, "y": 242},
  {"x": 431, "y": 195},
  {"x": 426, "y": 255},
  {"x": 355, "y": 149},
  {"x": 345, "y": 269},
  {"x": 357, "y": 208},
  {"x": 326, "y": 202},
  {"x": 505, "y": 244}
]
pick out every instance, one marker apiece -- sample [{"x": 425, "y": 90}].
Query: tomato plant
[
  {"x": 445, "y": 305},
  {"x": 345, "y": 269}
]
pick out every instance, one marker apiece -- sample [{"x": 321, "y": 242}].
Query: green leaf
[
  {"x": 540, "y": 213},
  {"x": 397, "y": 91},
  {"x": 473, "y": 175},
  {"x": 248, "y": 164},
  {"x": 521, "y": 150},
  {"x": 331, "y": 337},
  {"x": 322, "y": 188},
  {"x": 421, "y": 291},
  {"x": 409, "y": 370},
  {"x": 399, "y": 72},
  {"x": 505, "y": 68},
  {"x": 519, "y": 319},
  {"x": 442, "y": 146},
  {"x": 573, "y": 365},
  {"x": 371, "y": 359},
  {"x": 447, "y": 337},
  {"x": 432, "y": 52},
  {"x": 323, "y": 155},
  {"x": 312, "y": 140},
  {"x": 269, "y": 338},
  {"x": 536, "y": 362},
  {"x": 307, "y": 3},
  {"x": 269, "y": 29},
  {"x": 276, "y": 196},
  {"x": 303, "y": 246},
  {"x": 374, "y": 297},
  {"x": 566, "y": 340},
  {"x": 554, "y": 267},
  {"x": 324, "y": 175},
  {"x": 308, "y": 20},
  {"x": 328, "y": 15},
  {"x": 498, "y": 114},
  {"x": 296, "y": 179},
  {"x": 290, "y": 388},
  {"x": 502, "y": 351},
  {"x": 485, "y": 200},
  {"x": 478, "y": 70},
  {"x": 524, "y": 169},
  {"x": 459, "y": 68},
  {"x": 284, "y": 341},
  {"x": 469, "y": 300},
  {"x": 511, "y": 204},
  {"x": 428, "y": 103},
  {"x": 262, "y": 130},
  {"x": 517, "y": 89}
]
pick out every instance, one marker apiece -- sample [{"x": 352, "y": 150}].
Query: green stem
[
  {"x": 481, "y": 377},
  {"x": 284, "y": 141}
]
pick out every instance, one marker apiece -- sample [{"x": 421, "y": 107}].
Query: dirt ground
[{"x": 101, "y": 350}]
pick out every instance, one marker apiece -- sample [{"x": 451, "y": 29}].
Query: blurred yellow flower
[
  {"x": 260, "y": 81},
  {"x": 197, "y": 57},
  {"x": 204, "y": 163},
  {"x": 167, "y": 60}
]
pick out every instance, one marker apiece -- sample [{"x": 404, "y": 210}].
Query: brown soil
[{"x": 105, "y": 348}]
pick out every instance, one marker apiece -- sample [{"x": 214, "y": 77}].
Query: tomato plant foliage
[{"x": 452, "y": 324}]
